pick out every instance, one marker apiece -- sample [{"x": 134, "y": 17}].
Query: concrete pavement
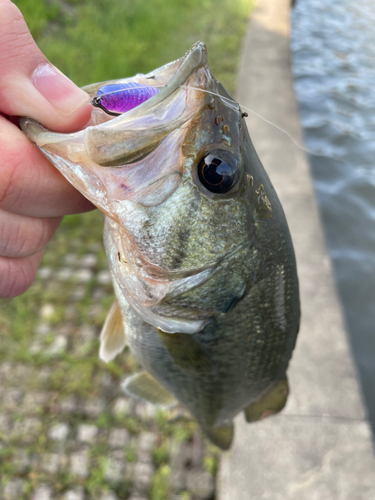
[{"x": 320, "y": 446}]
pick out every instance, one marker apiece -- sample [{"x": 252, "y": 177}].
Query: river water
[{"x": 333, "y": 46}]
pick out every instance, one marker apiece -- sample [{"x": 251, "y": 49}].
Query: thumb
[{"x": 29, "y": 84}]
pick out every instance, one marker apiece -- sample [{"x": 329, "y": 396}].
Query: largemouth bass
[{"x": 199, "y": 249}]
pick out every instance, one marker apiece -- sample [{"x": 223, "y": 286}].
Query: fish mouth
[
  {"x": 134, "y": 156},
  {"x": 170, "y": 77},
  {"x": 108, "y": 143}
]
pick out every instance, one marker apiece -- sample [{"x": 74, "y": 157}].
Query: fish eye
[{"x": 217, "y": 171}]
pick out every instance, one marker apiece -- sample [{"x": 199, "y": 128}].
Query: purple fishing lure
[{"x": 122, "y": 97}]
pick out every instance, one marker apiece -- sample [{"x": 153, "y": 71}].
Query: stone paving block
[
  {"x": 109, "y": 495},
  {"x": 79, "y": 293},
  {"x": 88, "y": 332},
  {"x": 44, "y": 272},
  {"x": 98, "y": 293},
  {"x": 118, "y": 438},
  {"x": 104, "y": 278},
  {"x": 21, "y": 461},
  {"x": 34, "y": 402},
  {"x": 43, "y": 492},
  {"x": 147, "y": 441},
  {"x": 143, "y": 473},
  {"x": 69, "y": 405},
  {"x": 95, "y": 247},
  {"x": 47, "y": 311},
  {"x": 57, "y": 347},
  {"x": 28, "y": 429},
  {"x": 76, "y": 494},
  {"x": 50, "y": 462},
  {"x": 105, "y": 380},
  {"x": 42, "y": 329},
  {"x": 180, "y": 454},
  {"x": 59, "y": 432},
  {"x": 65, "y": 329},
  {"x": 87, "y": 433},
  {"x": 89, "y": 260},
  {"x": 145, "y": 411},
  {"x": 5, "y": 423},
  {"x": 71, "y": 312},
  {"x": 44, "y": 374},
  {"x": 94, "y": 311},
  {"x": 64, "y": 274},
  {"x": 83, "y": 275},
  {"x": 71, "y": 259},
  {"x": 122, "y": 407},
  {"x": 13, "y": 490},
  {"x": 6, "y": 369},
  {"x": 64, "y": 462},
  {"x": 79, "y": 464},
  {"x": 21, "y": 373},
  {"x": 178, "y": 479},
  {"x": 115, "y": 467},
  {"x": 36, "y": 347},
  {"x": 94, "y": 407},
  {"x": 12, "y": 398},
  {"x": 200, "y": 483}
]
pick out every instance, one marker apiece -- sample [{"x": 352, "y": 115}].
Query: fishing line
[{"x": 294, "y": 141}]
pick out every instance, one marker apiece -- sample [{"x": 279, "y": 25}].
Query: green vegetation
[
  {"x": 161, "y": 454},
  {"x": 159, "y": 484},
  {"x": 95, "y": 40}
]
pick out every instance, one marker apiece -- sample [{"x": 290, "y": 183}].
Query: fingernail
[{"x": 61, "y": 92}]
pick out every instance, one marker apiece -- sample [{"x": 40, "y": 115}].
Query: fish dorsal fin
[
  {"x": 112, "y": 336},
  {"x": 272, "y": 402},
  {"x": 143, "y": 386},
  {"x": 221, "y": 436}
]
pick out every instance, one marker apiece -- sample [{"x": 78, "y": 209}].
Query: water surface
[{"x": 333, "y": 46}]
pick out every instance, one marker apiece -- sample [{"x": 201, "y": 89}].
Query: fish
[{"x": 198, "y": 246}]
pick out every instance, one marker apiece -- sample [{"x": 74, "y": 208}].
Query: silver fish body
[{"x": 198, "y": 246}]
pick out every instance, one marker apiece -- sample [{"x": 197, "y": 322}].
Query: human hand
[{"x": 33, "y": 194}]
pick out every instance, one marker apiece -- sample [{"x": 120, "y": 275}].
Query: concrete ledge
[{"x": 320, "y": 447}]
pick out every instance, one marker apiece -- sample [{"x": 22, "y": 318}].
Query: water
[{"x": 333, "y": 45}]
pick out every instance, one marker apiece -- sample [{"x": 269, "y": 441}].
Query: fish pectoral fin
[
  {"x": 221, "y": 436},
  {"x": 270, "y": 403},
  {"x": 186, "y": 352},
  {"x": 143, "y": 386},
  {"x": 112, "y": 336}
]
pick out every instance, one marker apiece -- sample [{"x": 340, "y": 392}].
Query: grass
[
  {"x": 95, "y": 40},
  {"x": 159, "y": 484}
]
